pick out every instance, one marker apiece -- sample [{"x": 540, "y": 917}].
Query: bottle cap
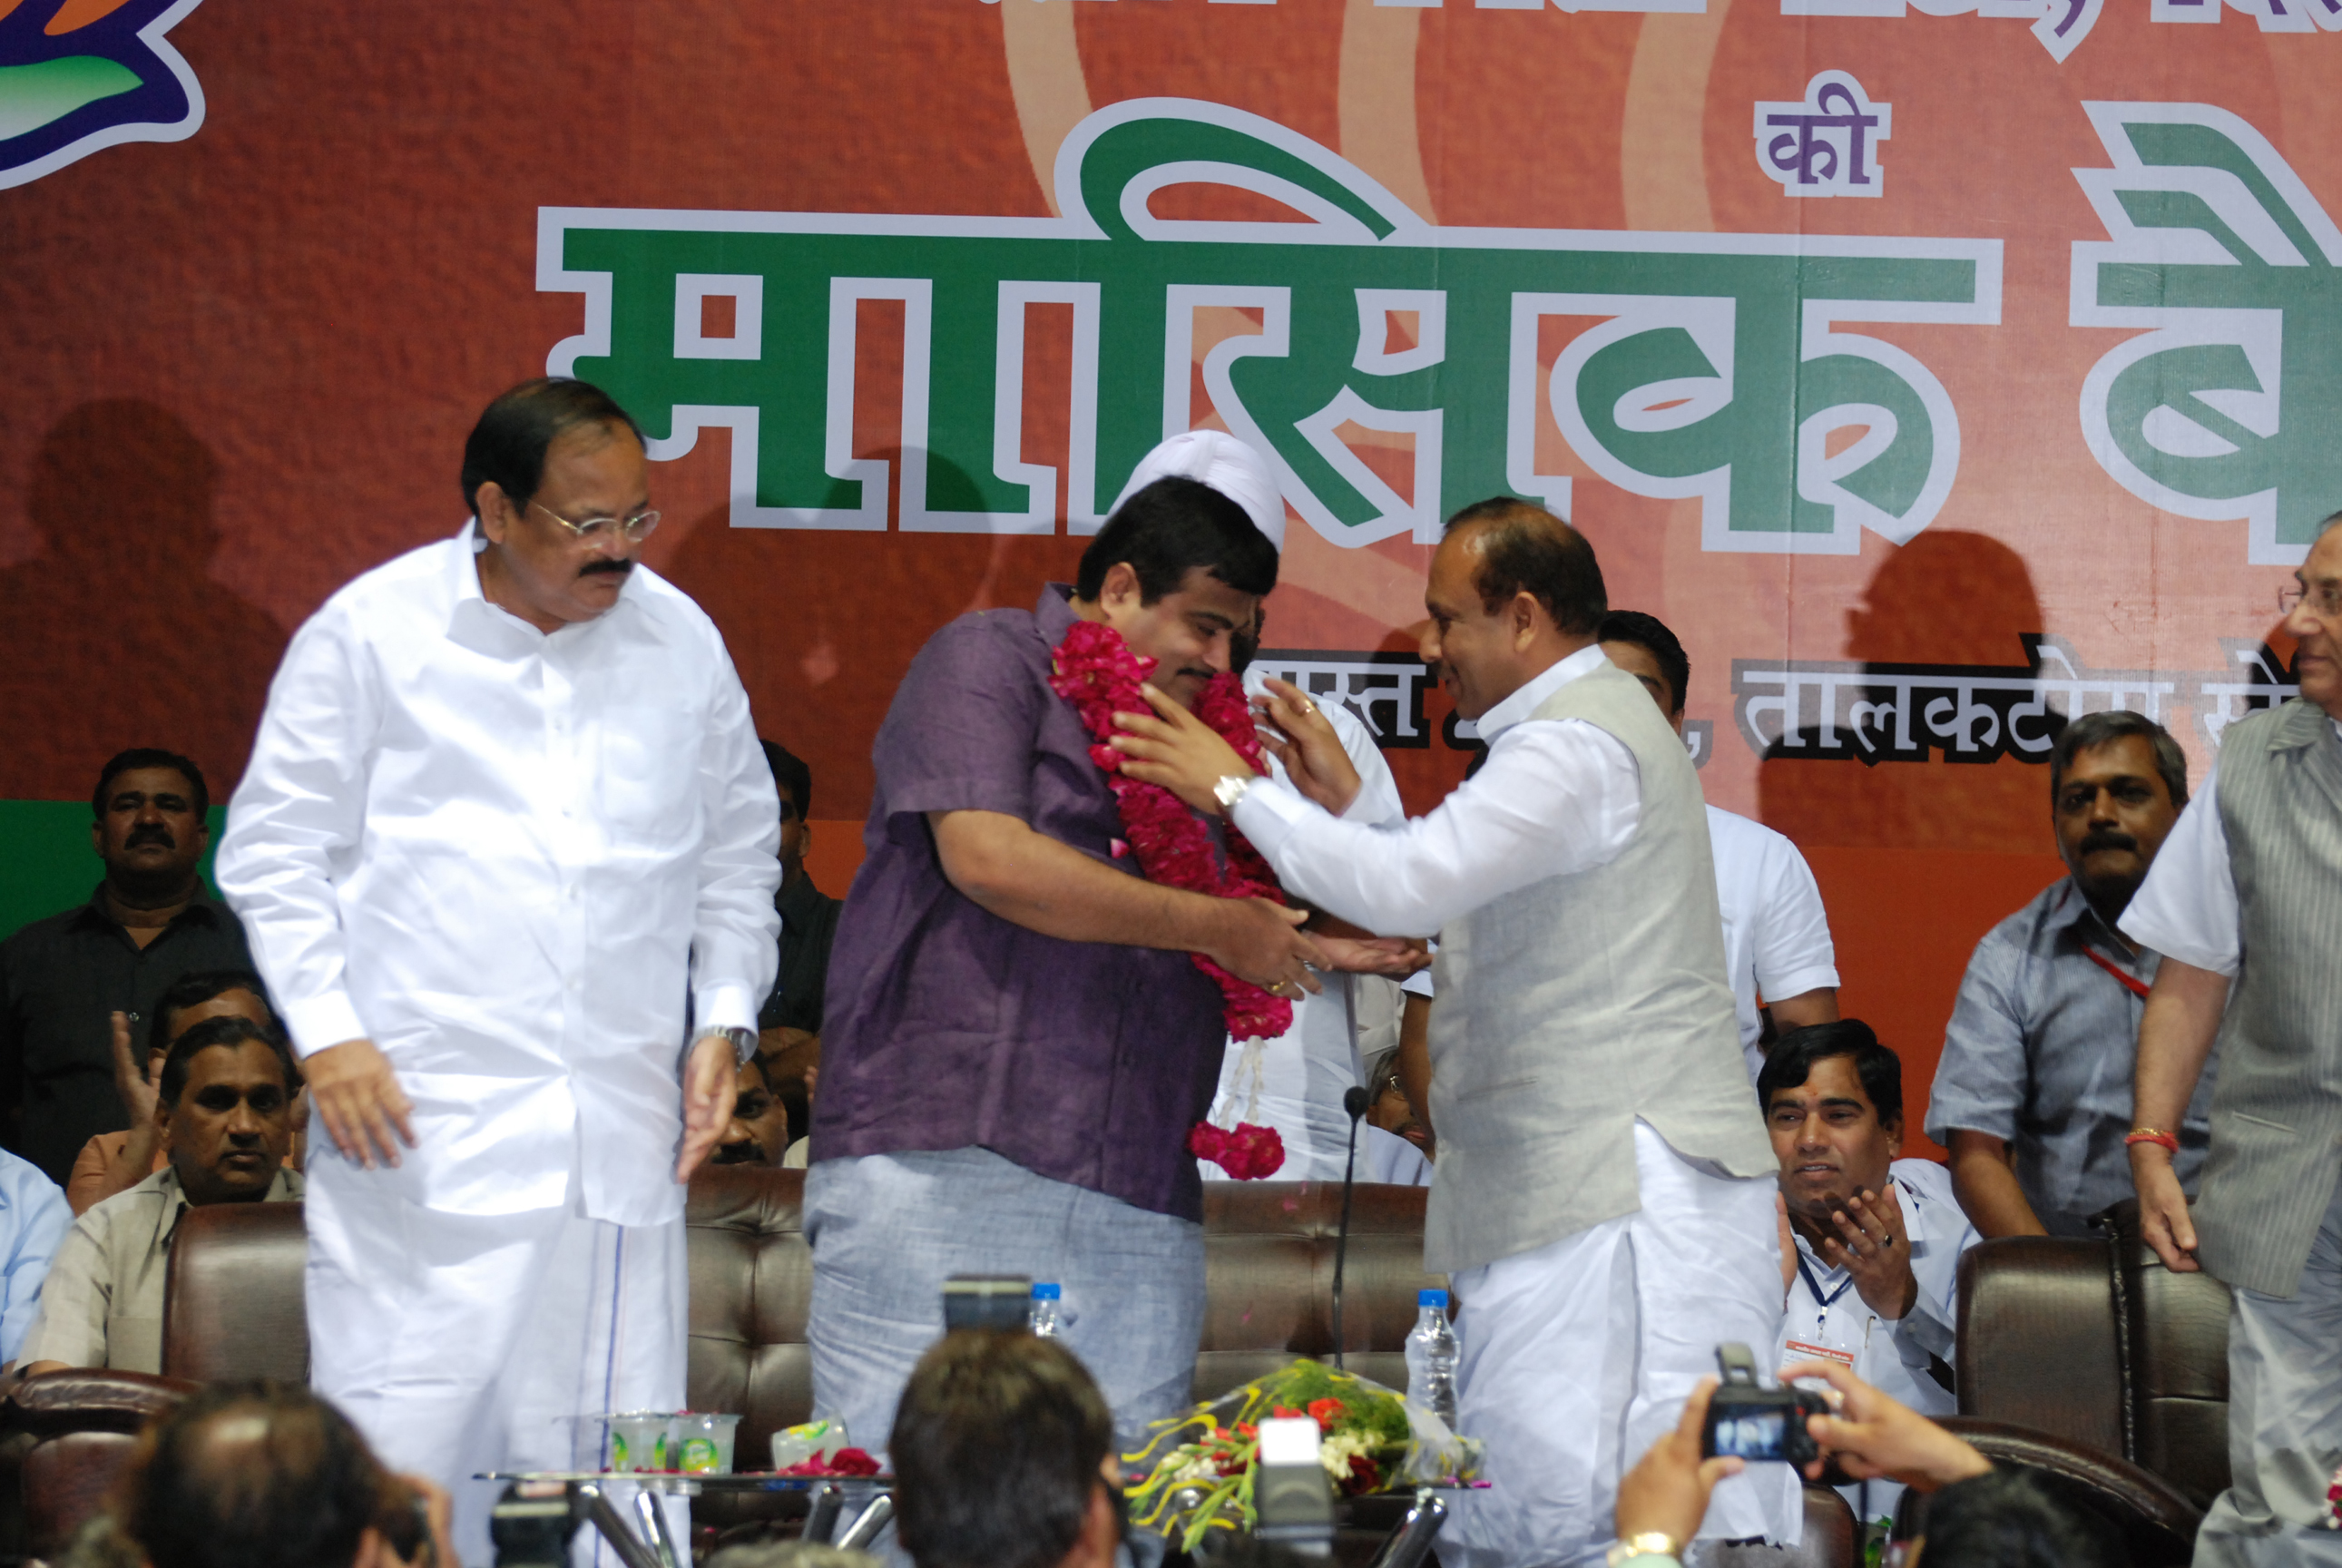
[
  {"x": 1047, "y": 1293},
  {"x": 1431, "y": 1298}
]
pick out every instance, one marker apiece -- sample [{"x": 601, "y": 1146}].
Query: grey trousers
[
  {"x": 2285, "y": 1418},
  {"x": 886, "y": 1230}
]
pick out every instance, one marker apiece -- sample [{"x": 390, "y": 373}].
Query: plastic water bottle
[
  {"x": 1044, "y": 1309},
  {"x": 1431, "y": 1357}
]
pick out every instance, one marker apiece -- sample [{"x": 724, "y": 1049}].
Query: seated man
[
  {"x": 34, "y": 1219},
  {"x": 758, "y": 1133},
  {"x": 150, "y": 922},
  {"x": 1003, "y": 1456},
  {"x": 788, "y": 1026},
  {"x": 114, "y": 1162},
  {"x": 1833, "y": 1099},
  {"x": 224, "y": 1107},
  {"x": 2033, "y": 1095},
  {"x": 1777, "y": 938},
  {"x": 265, "y": 1475}
]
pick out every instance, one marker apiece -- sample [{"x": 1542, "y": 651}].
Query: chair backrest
[
  {"x": 1268, "y": 1250},
  {"x": 2174, "y": 1352},
  {"x": 232, "y": 1295},
  {"x": 2037, "y": 1341},
  {"x": 1268, "y": 1261},
  {"x": 72, "y": 1432}
]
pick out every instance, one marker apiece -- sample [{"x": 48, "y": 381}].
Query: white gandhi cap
[{"x": 1216, "y": 458}]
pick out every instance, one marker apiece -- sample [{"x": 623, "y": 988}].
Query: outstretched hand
[
  {"x": 1301, "y": 737},
  {"x": 1874, "y": 1434},
  {"x": 140, "y": 1090},
  {"x": 1178, "y": 750}
]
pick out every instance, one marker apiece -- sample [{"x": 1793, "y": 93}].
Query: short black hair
[
  {"x": 997, "y": 1448},
  {"x": 259, "y": 1474},
  {"x": 2091, "y": 730},
  {"x": 508, "y": 444},
  {"x": 1528, "y": 549},
  {"x": 790, "y": 774},
  {"x": 1650, "y": 634},
  {"x": 1171, "y": 527},
  {"x": 1791, "y": 1062},
  {"x": 2009, "y": 1517},
  {"x": 201, "y": 1037},
  {"x": 149, "y": 757},
  {"x": 193, "y": 991}
]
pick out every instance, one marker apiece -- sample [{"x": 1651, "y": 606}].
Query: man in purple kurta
[{"x": 1017, "y": 1040}]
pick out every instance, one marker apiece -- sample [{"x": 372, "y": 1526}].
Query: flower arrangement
[
  {"x": 1097, "y": 672},
  {"x": 1196, "y": 1474}
]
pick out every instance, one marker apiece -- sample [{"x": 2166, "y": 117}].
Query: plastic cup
[
  {"x": 642, "y": 1441},
  {"x": 792, "y": 1446},
  {"x": 706, "y": 1443}
]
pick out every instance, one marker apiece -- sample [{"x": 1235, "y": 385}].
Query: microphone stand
[{"x": 1356, "y": 1101}]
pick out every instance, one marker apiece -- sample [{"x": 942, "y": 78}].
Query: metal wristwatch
[
  {"x": 743, "y": 1042},
  {"x": 1650, "y": 1543},
  {"x": 1231, "y": 789}
]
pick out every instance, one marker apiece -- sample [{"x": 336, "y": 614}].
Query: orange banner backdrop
[{"x": 1938, "y": 369}]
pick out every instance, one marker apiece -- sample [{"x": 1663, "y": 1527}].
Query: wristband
[{"x": 2153, "y": 1135}]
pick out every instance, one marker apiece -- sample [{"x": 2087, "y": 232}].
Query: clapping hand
[
  {"x": 1873, "y": 1247},
  {"x": 1304, "y": 740}
]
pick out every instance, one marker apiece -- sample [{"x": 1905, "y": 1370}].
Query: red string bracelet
[{"x": 2153, "y": 1135}]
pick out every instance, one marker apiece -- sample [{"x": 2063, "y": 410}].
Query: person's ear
[
  {"x": 1523, "y": 614},
  {"x": 494, "y": 510},
  {"x": 1101, "y": 1536},
  {"x": 1119, "y": 591},
  {"x": 163, "y": 1120},
  {"x": 1894, "y": 1136}
]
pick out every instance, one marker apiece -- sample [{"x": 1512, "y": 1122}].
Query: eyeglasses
[
  {"x": 636, "y": 528},
  {"x": 2325, "y": 599}
]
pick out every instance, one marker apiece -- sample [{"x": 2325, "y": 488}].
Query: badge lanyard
[
  {"x": 1821, "y": 1324},
  {"x": 2130, "y": 982}
]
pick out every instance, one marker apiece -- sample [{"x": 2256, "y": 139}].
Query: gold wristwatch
[{"x": 1650, "y": 1543}]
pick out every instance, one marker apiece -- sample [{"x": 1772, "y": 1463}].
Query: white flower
[{"x": 1336, "y": 1452}]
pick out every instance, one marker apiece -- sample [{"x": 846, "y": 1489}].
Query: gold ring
[{"x": 1307, "y": 707}]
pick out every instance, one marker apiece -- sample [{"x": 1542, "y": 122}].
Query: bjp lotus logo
[{"x": 83, "y": 74}]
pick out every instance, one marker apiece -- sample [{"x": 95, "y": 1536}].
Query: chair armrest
[
  {"x": 2157, "y": 1523},
  {"x": 89, "y": 1399}
]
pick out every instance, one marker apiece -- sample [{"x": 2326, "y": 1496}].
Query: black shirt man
[
  {"x": 149, "y": 923},
  {"x": 789, "y": 1023}
]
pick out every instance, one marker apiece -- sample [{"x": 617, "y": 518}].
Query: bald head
[{"x": 253, "y": 1475}]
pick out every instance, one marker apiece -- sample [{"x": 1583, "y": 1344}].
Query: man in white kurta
[
  {"x": 506, "y": 821},
  {"x": 1604, "y": 1193}
]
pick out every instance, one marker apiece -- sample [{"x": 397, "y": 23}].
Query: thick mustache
[
  {"x": 618, "y": 568},
  {"x": 2098, "y": 841},
  {"x": 150, "y": 832}
]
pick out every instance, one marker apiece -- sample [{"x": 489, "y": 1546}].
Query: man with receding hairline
[{"x": 1604, "y": 1200}]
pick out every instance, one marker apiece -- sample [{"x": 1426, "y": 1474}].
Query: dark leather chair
[
  {"x": 1829, "y": 1541},
  {"x": 74, "y": 1430},
  {"x": 2089, "y": 1362},
  {"x": 232, "y": 1296}
]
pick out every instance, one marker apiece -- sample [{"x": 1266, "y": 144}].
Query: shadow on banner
[{"x": 118, "y": 635}]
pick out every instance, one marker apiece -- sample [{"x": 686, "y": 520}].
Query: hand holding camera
[{"x": 1871, "y": 1434}]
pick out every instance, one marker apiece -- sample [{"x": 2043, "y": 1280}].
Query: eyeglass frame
[
  {"x": 2323, "y": 600},
  {"x": 634, "y": 529}
]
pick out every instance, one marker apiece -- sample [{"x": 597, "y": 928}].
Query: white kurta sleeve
[
  {"x": 1555, "y": 798},
  {"x": 1791, "y": 945},
  {"x": 2187, "y": 907},
  {"x": 735, "y": 934},
  {"x": 296, "y": 818}
]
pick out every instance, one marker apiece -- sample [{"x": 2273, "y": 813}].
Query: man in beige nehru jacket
[{"x": 1605, "y": 1186}]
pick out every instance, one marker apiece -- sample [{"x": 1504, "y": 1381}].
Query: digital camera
[{"x": 1758, "y": 1424}]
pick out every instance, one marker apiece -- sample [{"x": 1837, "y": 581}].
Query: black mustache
[
  {"x": 748, "y": 1153},
  {"x": 619, "y": 567},
  {"x": 2098, "y": 841},
  {"x": 150, "y": 832}
]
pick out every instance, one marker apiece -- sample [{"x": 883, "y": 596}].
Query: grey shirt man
[
  {"x": 103, "y": 1303},
  {"x": 2039, "y": 1053}
]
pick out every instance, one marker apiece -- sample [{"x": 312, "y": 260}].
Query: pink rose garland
[{"x": 1097, "y": 672}]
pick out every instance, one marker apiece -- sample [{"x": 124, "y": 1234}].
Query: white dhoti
[
  {"x": 465, "y": 1343},
  {"x": 1577, "y": 1356}
]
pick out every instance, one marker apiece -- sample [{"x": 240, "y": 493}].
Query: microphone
[{"x": 1356, "y": 1101}]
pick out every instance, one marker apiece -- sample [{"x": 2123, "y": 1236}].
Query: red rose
[
  {"x": 1326, "y": 1411},
  {"x": 1364, "y": 1476}
]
